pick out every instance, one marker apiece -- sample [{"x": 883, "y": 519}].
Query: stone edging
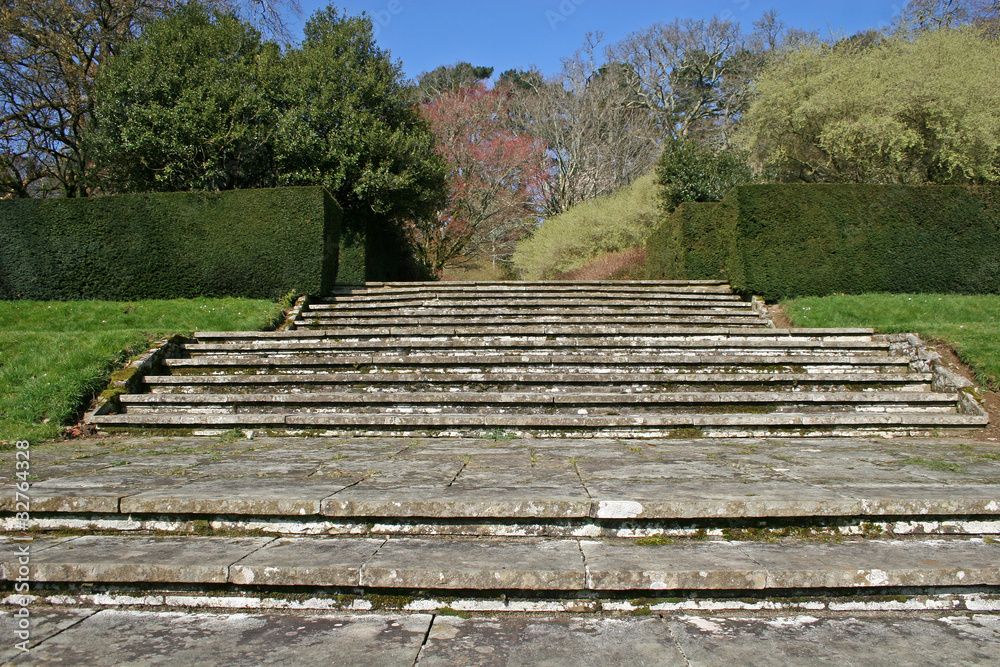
[
  {"x": 924, "y": 359},
  {"x": 129, "y": 380},
  {"x": 300, "y": 304},
  {"x": 760, "y": 307}
]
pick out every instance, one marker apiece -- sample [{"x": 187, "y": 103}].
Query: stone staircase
[
  {"x": 556, "y": 359},
  {"x": 658, "y": 519}
]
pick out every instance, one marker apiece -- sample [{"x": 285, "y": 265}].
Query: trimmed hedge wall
[
  {"x": 250, "y": 243},
  {"x": 683, "y": 247},
  {"x": 781, "y": 241}
]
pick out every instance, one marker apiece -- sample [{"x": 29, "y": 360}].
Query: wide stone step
[
  {"x": 533, "y": 320},
  {"x": 552, "y": 382},
  {"x": 538, "y": 362},
  {"x": 555, "y": 425},
  {"x": 506, "y": 312},
  {"x": 528, "y": 403},
  {"x": 523, "y": 330},
  {"x": 459, "y": 301},
  {"x": 540, "y": 344},
  {"x": 508, "y": 564}
]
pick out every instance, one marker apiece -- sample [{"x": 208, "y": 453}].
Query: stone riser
[
  {"x": 734, "y": 312},
  {"x": 451, "y": 408},
  {"x": 541, "y": 383},
  {"x": 549, "y": 333},
  {"x": 536, "y": 425},
  {"x": 459, "y": 304},
  {"x": 526, "y": 564},
  {"x": 374, "y": 372},
  {"x": 540, "y": 345},
  {"x": 495, "y": 520},
  {"x": 549, "y": 320},
  {"x": 541, "y": 354}
]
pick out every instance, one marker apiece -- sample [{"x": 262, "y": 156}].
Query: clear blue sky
[{"x": 507, "y": 34}]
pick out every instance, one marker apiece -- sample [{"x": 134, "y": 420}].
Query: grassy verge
[
  {"x": 54, "y": 356},
  {"x": 969, "y": 324}
]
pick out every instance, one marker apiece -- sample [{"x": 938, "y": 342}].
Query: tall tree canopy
[
  {"x": 198, "y": 101},
  {"x": 189, "y": 105},
  {"x": 50, "y": 53},
  {"x": 925, "y": 110}
]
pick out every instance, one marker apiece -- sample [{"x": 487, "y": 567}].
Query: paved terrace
[{"x": 566, "y": 516}]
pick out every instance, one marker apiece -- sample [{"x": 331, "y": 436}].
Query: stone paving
[
  {"x": 116, "y": 637},
  {"x": 570, "y": 480}
]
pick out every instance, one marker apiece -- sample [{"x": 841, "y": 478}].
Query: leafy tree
[
  {"x": 689, "y": 171},
  {"x": 50, "y": 53},
  {"x": 449, "y": 79},
  {"x": 189, "y": 105},
  {"x": 496, "y": 177},
  {"x": 200, "y": 102},
  {"x": 901, "y": 111},
  {"x": 350, "y": 126}
]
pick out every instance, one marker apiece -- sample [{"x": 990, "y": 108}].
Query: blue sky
[{"x": 507, "y": 34}]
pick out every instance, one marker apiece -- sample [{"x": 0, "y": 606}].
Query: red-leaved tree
[{"x": 496, "y": 179}]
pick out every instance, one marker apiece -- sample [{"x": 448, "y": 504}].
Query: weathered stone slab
[
  {"x": 716, "y": 499},
  {"x": 927, "y": 499},
  {"x": 859, "y": 564},
  {"x": 186, "y": 559},
  {"x": 684, "y": 566},
  {"x": 306, "y": 562},
  {"x": 44, "y": 623},
  {"x": 895, "y": 640},
  {"x": 286, "y": 496},
  {"x": 97, "y": 492},
  {"x": 584, "y": 642},
  {"x": 451, "y": 502},
  {"x": 113, "y": 637},
  {"x": 486, "y": 564},
  {"x": 12, "y": 553}
]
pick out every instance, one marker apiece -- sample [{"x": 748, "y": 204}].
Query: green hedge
[
  {"x": 683, "y": 247},
  {"x": 250, "y": 243},
  {"x": 813, "y": 240}
]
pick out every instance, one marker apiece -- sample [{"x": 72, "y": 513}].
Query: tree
[
  {"x": 350, "y": 126},
  {"x": 690, "y": 171},
  {"x": 496, "y": 178},
  {"x": 902, "y": 111},
  {"x": 200, "y": 102},
  {"x": 599, "y": 135},
  {"x": 189, "y": 105},
  {"x": 449, "y": 79},
  {"x": 50, "y": 53}
]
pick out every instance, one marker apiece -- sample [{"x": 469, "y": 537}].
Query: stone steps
[
  {"x": 487, "y": 565},
  {"x": 523, "y": 363},
  {"x": 643, "y": 359},
  {"x": 602, "y": 520},
  {"x": 553, "y": 332},
  {"x": 551, "y": 426},
  {"x": 542, "y": 382}
]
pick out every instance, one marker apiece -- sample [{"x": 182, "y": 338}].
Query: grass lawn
[
  {"x": 55, "y": 355},
  {"x": 969, "y": 324}
]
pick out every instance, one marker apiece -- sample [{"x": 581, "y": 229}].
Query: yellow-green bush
[{"x": 597, "y": 227}]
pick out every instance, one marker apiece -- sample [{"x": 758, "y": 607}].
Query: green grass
[
  {"x": 55, "y": 356},
  {"x": 589, "y": 230},
  {"x": 969, "y": 324}
]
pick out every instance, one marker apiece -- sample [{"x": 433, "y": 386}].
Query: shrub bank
[{"x": 781, "y": 241}]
